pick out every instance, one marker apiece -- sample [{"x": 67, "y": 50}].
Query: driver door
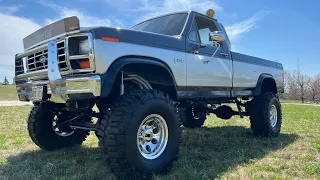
[{"x": 211, "y": 76}]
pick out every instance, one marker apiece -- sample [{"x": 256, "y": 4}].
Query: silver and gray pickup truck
[{"x": 146, "y": 81}]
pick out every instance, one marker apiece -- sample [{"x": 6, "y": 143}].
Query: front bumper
[
  {"x": 86, "y": 87},
  {"x": 57, "y": 88}
]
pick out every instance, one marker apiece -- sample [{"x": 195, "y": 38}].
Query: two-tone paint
[
  {"x": 195, "y": 73},
  {"x": 226, "y": 74}
]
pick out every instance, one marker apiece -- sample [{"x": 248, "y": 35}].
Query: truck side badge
[{"x": 178, "y": 60}]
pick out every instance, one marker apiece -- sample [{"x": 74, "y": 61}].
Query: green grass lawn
[
  {"x": 220, "y": 150},
  {"x": 8, "y": 92}
]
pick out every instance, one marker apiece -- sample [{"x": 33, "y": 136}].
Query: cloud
[
  {"x": 13, "y": 30},
  {"x": 230, "y": 15},
  {"x": 85, "y": 20},
  {"x": 151, "y": 8},
  {"x": 166, "y": 6},
  {"x": 237, "y": 29},
  {"x": 10, "y": 9}
]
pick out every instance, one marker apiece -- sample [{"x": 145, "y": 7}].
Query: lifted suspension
[
  {"x": 223, "y": 111},
  {"x": 77, "y": 121}
]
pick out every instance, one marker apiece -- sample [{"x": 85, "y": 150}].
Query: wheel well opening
[
  {"x": 157, "y": 77},
  {"x": 268, "y": 85}
]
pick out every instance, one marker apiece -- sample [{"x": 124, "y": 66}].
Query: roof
[{"x": 204, "y": 15}]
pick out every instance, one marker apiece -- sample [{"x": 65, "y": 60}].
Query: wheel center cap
[{"x": 147, "y": 135}]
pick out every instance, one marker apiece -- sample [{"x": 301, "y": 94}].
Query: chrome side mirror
[{"x": 217, "y": 36}]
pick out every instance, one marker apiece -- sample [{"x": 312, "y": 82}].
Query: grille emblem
[{"x": 39, "y": 59}]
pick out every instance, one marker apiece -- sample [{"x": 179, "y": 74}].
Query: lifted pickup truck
[{"x": 146, "y": 81}]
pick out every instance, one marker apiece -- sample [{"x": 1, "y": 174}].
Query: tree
[
  {"x": 303, "y": 83},
  {"x": 315, "y": 87},
  {"x": 5, "y": 82},
  {"x": 290, "y": 85},
  {"x": 296, "y": 85}
]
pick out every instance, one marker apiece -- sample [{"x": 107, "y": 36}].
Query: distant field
[
  {"x": 296, "y": 101},
  {"x": 290, "y": 101},
  {"x": 8, "y": 92},
  {"x": 220, "y": 150}
]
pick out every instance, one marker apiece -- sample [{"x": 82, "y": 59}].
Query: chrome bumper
[{"x": 60, "y": 89}]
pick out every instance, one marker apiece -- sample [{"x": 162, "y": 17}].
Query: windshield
[{"x": 168, "y": 25}]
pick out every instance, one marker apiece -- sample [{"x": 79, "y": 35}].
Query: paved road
[{"x": 14, "y": 103}]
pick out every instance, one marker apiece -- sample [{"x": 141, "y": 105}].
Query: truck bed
[{"x": 254, "y": 60}]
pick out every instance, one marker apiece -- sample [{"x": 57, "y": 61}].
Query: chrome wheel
[
  {"x": 152, "y": 136},
  {"x": 273, "y": 115},
  {"x": 67, "y": 131}
]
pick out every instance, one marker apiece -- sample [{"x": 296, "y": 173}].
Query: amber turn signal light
[
  {"x": 84, "y": 64},
  {"x": 110, "y": 39}
]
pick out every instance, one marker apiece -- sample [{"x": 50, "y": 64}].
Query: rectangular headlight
[
  {"x": 84, "y": 47},
  {"x": 80, "y": 52},
  {"x": 78, "y": 45}
]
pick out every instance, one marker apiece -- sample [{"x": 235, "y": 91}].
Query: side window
[
  {"x": 193, "y": 34},
  {"x": 205, "y": 26}
]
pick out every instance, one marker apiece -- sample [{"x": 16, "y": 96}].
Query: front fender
[{"x": 109, "y": 77}]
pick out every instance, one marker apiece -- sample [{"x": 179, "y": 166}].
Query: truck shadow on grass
[{"x": 206, "y": 153}]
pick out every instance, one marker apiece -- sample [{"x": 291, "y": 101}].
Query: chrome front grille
[
  {"x": 39, "y": 60},
  {"x": 33, "y": 62}
]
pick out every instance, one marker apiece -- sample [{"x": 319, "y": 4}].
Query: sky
[{"x": 286, "y": 31}]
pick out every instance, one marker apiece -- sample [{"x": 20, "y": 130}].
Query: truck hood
[
  {"x": 139, "y": 37},
  {"x": 63, "y": 26},
  {"x": 72, "y": 24}
]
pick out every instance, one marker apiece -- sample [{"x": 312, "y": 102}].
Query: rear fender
[{"x": 262, "y": 77}]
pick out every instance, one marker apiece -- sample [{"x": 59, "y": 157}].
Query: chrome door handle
[
  {"x": 195, "y": 51},
  {"x": 224, "y": 54}
]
